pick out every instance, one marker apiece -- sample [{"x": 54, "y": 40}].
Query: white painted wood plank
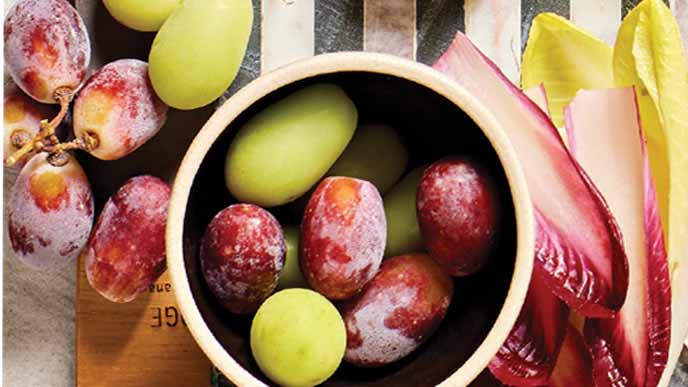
[
  {"x": 602, "y": 18},
  {"x": 389, "y": 26},
  {"x": 680, "y": 10},
  {"x": 287, "y": 32},
  {"x": 495, "y": 27}
]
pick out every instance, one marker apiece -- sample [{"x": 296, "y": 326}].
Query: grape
[
  {"x": 47, "y": 49},
  {"x": 458, "y": 214},
  {"x": 285, "y": 149},
  {"x": 141, "y": 15},
  {"x": 298, "y": 338},
  {"x": 398, "y": 310},
  {"x": 342, "y": 237},
  {"x": 197, "y": 52},
  {"x": 126, "y": 251},
  {"x": 291, "y": 276},
  {"x": 21, "y": 117},
  {"x": 362, "y": 158},
  {"x": 50, "y": 213},
  {"x": 403, "y": 234},
  {"x": 118, "y": 107},
  {"x": 242, "y": 255}
]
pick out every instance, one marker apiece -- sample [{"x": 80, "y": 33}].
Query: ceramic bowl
[{"x": 435, "y": 118}]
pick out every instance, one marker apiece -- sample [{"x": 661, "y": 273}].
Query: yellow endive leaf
[
  {"x": 649, "y": 55},
  {"x": 626, "y": 73},
  {"x": 565, "y": 59}
]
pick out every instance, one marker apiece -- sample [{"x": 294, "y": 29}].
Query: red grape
[
  {"x": 47, "y": 49},
  {"x": 21, "y": 118},
  {"x": 126, "y": 251},
  {"x": 343, "y": 236},
  {"x": 458, "y": 214},
  {"x": 242, "y": 255},
  {"x": 397, "y": 311},
  {"x": 119, "y": 107},
  {"x": 50, "y": 212}
]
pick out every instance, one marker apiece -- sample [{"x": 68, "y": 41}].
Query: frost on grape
[
  {"x": 370, "y": 340},
  {"x": 119, "y": 106},
  {"x": 458, "y": 214},
  {"x": 50, "y": 213},
  {"x": 397, "y": 311},
  {"x": 46, "y": 47},
  {"x": 344, "y": 235},
  {"x": 126, "y": 252},
  {"x": 242, "y": 255}
]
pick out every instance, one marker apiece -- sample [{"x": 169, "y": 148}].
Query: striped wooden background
[{"x": 287, "y": 30}]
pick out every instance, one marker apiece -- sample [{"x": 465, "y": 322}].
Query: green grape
[
  {"x": 362, "y": 158},
  {"x": 285, "y": 149},
  {"x": 291, "y": 276},
  {"x": 403, "y": 234},
  {"x": 298, "y": 338},
  {"x": 141, "y": 15},
  {"x": 197, "y": 52}
]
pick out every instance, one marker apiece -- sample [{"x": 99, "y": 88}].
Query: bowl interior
[{"x": 431, "y": 127}]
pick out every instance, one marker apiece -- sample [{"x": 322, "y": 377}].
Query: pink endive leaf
[
  {"x": 528, "y": 355},
  {"x": 630, "y": 349},
  {"x": 659, "y": 282},
  {"x": 579, "y": 252}
]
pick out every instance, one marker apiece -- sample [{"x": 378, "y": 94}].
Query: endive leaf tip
[{"x": 555, "y": 22}]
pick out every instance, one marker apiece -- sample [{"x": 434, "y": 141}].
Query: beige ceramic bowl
[{"x": 435, "y": 117}]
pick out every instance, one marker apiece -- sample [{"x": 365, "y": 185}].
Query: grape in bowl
[{"x": 434, "y": 119}]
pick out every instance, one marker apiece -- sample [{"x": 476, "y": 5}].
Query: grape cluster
[
  {"x": 48, "y": 52},
  {"x": 115, "y": 111}
]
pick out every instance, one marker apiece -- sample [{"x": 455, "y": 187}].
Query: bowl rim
[{"x": 351, "y": 62}]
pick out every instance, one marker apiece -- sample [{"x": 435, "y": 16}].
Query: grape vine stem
[
  {"x": 46, "y": 138},
  {"x": 87, "y": 142}
]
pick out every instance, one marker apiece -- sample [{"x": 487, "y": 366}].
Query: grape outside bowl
[{"x": 434, "y": 117}]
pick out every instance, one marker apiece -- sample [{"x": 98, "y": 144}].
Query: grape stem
[
  {"x": 87, "y": 142},
  {"x": 45, "y": 138},
  {"x": 63, "y": 96}
]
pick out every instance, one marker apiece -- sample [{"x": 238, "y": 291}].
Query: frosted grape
[
  {"x": 119, "y": 108},
  {"x": 47, "y": 49},
  {"x": 50, "y": 213}
]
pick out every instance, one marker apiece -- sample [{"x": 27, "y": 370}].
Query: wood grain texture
[
  {"x": 142, "y": 343},
  {"x": 389, "y": 26},
  {"x": 680, "y": 10},
  {"x": 495, "y": 27},
  {"x": 437, "y": 23},
  {"x": 602, "y": 18},
  {"x": 338, "y": 25},
  {"x": 287, "y": 33},
  {"x": 250, "y": 66}
]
